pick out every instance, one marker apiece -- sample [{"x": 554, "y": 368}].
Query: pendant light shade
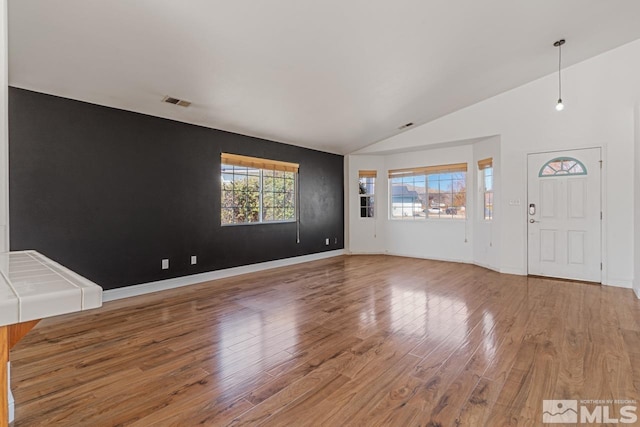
[{"x": 559, "y": 104}]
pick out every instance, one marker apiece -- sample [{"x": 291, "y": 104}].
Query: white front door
[{"x": 564, "y": 214}]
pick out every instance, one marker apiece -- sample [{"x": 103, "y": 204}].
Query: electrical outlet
[
  {"x": 194, "y": 260},
  {"x": 326, "y": 241},
  {"x": 335, "y": 240},
  {"x": 165, "y": 264}
]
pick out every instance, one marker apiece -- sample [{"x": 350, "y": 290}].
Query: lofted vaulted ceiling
[{"x": 331, "y": 75}]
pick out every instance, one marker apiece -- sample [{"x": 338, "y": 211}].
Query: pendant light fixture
[{"x": 558, "y": 44}]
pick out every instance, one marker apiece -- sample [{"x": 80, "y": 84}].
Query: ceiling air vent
[{"x": 176, "y": 101}]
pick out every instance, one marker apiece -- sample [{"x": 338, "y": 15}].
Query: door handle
[{"x": 533, "y": 220}]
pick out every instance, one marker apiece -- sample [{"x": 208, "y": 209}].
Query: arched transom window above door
[{"x": 562, "y": 166}]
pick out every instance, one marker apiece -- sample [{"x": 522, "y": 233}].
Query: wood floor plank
[
  {"x": 478, "y": 406},
  {"x": 350, "y": 340},
  {"x": 193, "y": 413},
  {"x": 295, "y": 395},
  {"x": 293, "y": 373},
  {"x": 356, "y": 401}
]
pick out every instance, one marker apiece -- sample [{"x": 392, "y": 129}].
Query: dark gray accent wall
[{"x": 110, "y": 193}]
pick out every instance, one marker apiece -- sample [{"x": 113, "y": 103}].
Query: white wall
[
  {"x": 486, "y": 234},
  {"x": 600, "y": 95},
  {"x": 636, "y": 191},
  {"x": 443, "y": 239},
  {"x": 365, "y": 235},
  {"x": 4, "y": 145},
  {"x": 473, "y": 240}
]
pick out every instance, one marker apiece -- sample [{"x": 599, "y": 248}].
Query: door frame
[{"x": 603, "y": 203}]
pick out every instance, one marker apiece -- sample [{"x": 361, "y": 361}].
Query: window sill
[
  {"x": 289, "y": 221},
  {"x": 421, "y": 220}
]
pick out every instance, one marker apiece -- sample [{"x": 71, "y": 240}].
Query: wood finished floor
[{"x": 360, "y": 340}]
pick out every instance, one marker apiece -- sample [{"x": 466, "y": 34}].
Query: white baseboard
[
  {"x": 487, "y": 266},
  {"x": 637, "y": 291},
  {"x": 618, "y": 283},
  {"x": 161, "y": 285},
  {"x": 479, "y": 264},
  {"x": 513, "y": 270},
  {"x": 407, "y": 255}
]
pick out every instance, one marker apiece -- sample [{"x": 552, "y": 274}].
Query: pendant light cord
[
  {"x": 558, "y": 44},
  {"x": 559, "y": 71}
]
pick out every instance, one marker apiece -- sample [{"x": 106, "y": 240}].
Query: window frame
[
  {"x": 562, "y": 172},
  {"x": 424, "y": 173},
  {"x": 261, "y": 166},
  {"x": 485, "y": 165},
  {"x": 370, "y": 207}
]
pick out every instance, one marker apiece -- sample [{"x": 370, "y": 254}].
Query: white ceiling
[{"x": 327, "y": 74}]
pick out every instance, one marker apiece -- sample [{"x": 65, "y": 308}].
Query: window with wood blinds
[
  {"x": 485, "y": 166},
  {"x": 366, "y": 190},
  {"x": 256, "y": 190},
  {"x": 428, "y": 192}
]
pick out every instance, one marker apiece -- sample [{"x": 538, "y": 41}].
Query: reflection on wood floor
[{"x": 360, "y": 340}]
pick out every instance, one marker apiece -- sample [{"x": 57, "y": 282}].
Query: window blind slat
[
  {"x": 485, "y": 163},
  {"x": 454, "y": 167},
  {"x": 368, "y": 174},
  {"x": 258, "y": 163}
]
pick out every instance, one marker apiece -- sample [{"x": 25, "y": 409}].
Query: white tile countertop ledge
[{"x": 33, "y": 286}]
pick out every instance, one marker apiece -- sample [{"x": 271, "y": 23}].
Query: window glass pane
[
  {"x": 267, "y": 183},
  {"x": 487, "y": 190},
  {"x": 447, "y": 195},
  {"x": 440, "y": 194},
  {"x": 227, "y": 215},
  {"x": 278, "y": 204},
  {"x": 366, "y": 206},
  {"x": 246, "y": 192},
  {"x": 289, "y": 185},
  {"x": 562, "y": 166},
  {"x": 556, "y": 166},
  {"x": 437, "y": 202},
  {"x": 289, "y": 200},
  {"x": 576, "y": 169},
  {"x": 289, "y": 212},
  {"x": 488, "y": 179},
  {"x": 488, "y": 205},
  {"x": 366, "y": 190},
  {"x": 547, "y": 171},
  {"x": 367, "y": 186},
  {"x": 408, "y": 197},
  {"x": 267, "y": 200},
  {"x": 267, "y": 214},
  {"x": 460, "y": 176},
  {"x": 370, "y": 206}
]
